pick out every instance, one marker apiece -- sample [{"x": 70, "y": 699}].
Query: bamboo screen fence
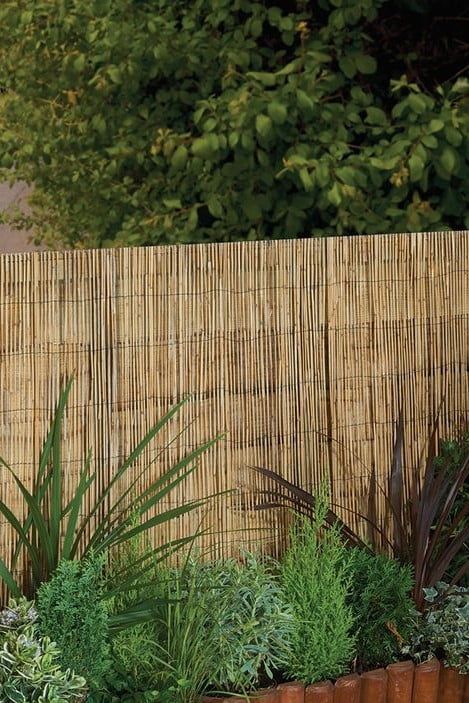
[{"x": 302, "y": 351}]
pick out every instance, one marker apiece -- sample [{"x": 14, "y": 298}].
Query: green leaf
[
  {"x": 416, "y": 166},
  {"x": 334, "y": 195},
  {"x": 48, "y": 521},
  {"x": 114, "y": 530},
  {"x": 38, "y": 521},
  {"x": 448, "y": 159},
  {"x": 376, "y": 116},
  {"x": 24, "y": 540},
  {"x": 304, "y": 101},
  {"x": 384, "y": 164},
  {"x": 133, "y": 456},
  {"x": 263, "y": 125},
  {"x": 337, "y": 20},
  {"x": 289, "y": 68},
  {"x": 263, "y": 158},
  {"x": 199, "y": 113},
  {"x": 347, "y": 175},
  {"x": 207, "y": 76},
  {"x": 277, "y": 112},
  {"x": 322, "y": 172},
  {"x": 79, "y": 63},
  {"x": 256, "y": 27},
  {"x": 461, "y": 85},
  {"x": 209, "y": 124},
  {"x": 205, "y": 146},
  {"x": 365, "y": 64},
  {"x": 201, "y": 147},
  {"x": 430, "y": 141},
  {"x": 287, "y": 24},
  {"x": 114, "y": 74},
  {"x": 454, "y": 136},
  {"x": 7, "y": 577},
  {"x": 347, "y": 66},
  {"x": 56, "y": 490},
  {"x": 267, "y": 79},
  {"x": 172, "y": 203},
  {"x": 26, "y": 17},
  {"x": 297, "y": 160},
  {"x": 247, "y": 141},
  {"x": 179, "y": 157},
  {"x": 193, "y": 219},
  {"x": 435, "y": 126},
  {"x": 41, "y": 486},
  {"x": 306, "y": 179},
  {"x": 274, "y": 14},
  {"x": 251, "y": 208},
  {"x": 320, "y": 56},
  {"x": 399, "y": 148},
  {"x": 99, "y": 123},
  {"x": 214, "y": 205},
  {"x": 417, "y": 103},
  {"x": 233, "y": 139},
  {"x": 74, "y": 507}
]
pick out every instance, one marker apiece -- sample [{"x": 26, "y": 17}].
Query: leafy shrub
[
  {"x": 316, "y": 581},
  {"x": 72, "y": 613},
  {"x": 19, "y": 614},
  {"x": 125, "y": 681},
  {"x": 224, "y": 121},
  {"x": 443, "y": 629},
  {"x": 222, "y": 626},
  {"x": 29, "y": 664},
  {"x": 134, "y": 668},
  {"x": 252, "y": 625},
  {"x": 382, "y": 607}
]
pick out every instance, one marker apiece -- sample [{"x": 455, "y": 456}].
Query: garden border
[{"x": 401, "y": 682}]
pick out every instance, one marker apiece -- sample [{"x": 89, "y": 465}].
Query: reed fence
[{"x": 301, "y": 351}]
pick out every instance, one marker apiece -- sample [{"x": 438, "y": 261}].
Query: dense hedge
[{"x": 158, "y": 121}]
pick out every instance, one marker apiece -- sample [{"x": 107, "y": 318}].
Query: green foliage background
[
  {"x": 72, "y": 613},
  {"x": 382, "y": 607},
  {"x": 172, "y": 121}
]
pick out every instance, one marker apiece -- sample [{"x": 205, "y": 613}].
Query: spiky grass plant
[{"x": 56, "y": 530}]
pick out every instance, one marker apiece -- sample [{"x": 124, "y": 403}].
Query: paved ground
[{"x": 13, "y": 240}]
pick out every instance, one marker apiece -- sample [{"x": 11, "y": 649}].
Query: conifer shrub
[
  {"x": 316, "y": 578},
  {"x": 382, "y": 607}
]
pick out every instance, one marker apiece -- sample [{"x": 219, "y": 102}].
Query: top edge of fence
[{"x": 263, "y": 244}]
